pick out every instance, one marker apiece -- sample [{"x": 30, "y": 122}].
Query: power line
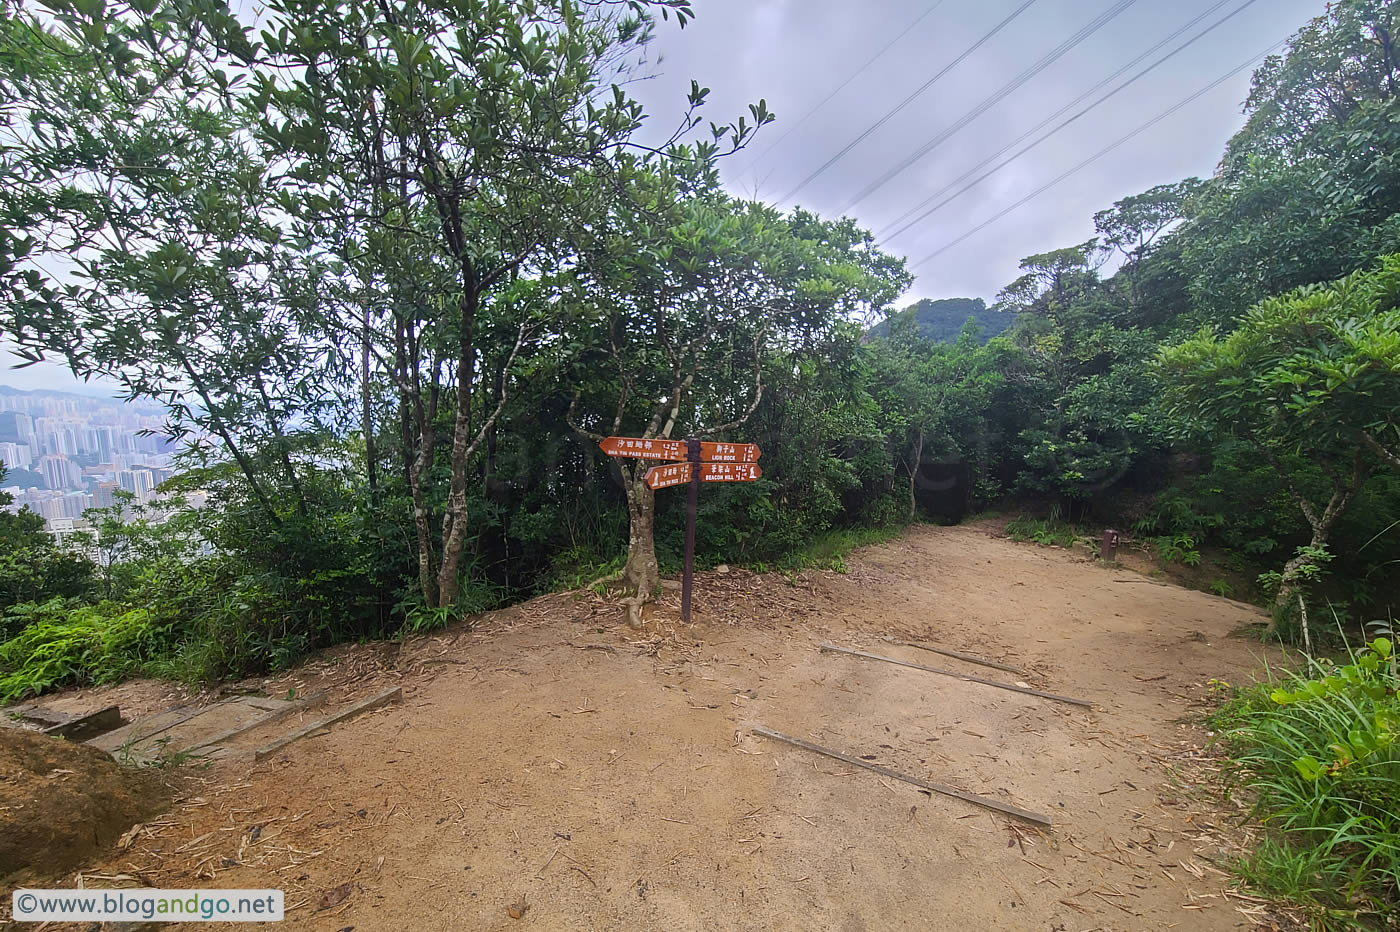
[
  {"x": 1098, "y": 155},
  {"x": 846, "y": 83},
  {"x": 1054, "y": 55},
  {"x": 919, "y": 208},
  {"x": 908, "y": 100}
]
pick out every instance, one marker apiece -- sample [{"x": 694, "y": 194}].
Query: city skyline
[{"x": 65, "y": 453}]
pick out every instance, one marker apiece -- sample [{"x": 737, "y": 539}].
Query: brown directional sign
[
  {"x": 676, "y": 451},
  {"x": 645, "y": 449},
  {"x": 663, "y": 477},
  {"x": 717, "y": 462},
  {"x": 728, "y": 453},
  {"x": 729, "y": 472}
]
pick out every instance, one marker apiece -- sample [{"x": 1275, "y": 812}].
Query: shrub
[
  {"x": 92, "y": 644},
  {"x": 1322, "y": 753},
  {"x": 1045, "y": 533}
]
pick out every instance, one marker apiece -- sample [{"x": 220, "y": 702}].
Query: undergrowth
[
  {"x": 89, "y": 644},
  {"x": 1046, "y": 532},
  {"x": 1320, "y": 751},
  {"x": 828, "y": 551}
]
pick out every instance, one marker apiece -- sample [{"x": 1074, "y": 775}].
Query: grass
[
  {"x": 828, "y": 551},
  {"x": 1320, "y": 752},
  {"x": 1044, "y": 532}
]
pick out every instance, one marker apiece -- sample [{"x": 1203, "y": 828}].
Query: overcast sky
[{"x": 794, "y": 53}]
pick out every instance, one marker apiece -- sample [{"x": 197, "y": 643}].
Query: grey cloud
[{"x": 794, "y": 52}]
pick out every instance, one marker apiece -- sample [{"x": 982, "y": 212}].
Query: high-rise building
[
  {"x": 59, "y": 472},
  {"x": 75, "y": 503},
  {"x": 16, "y": 427},
  {"x": 15, "y": 455},
  {"x": 139, "y": 482},
  {"x": 102, "y": 441},
  {"x": 103, "y": 497}
]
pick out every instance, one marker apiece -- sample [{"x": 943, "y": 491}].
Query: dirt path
[{"x": 618, "y": 787}]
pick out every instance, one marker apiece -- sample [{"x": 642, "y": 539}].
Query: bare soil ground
[
  {"x": 62, "y": 804},
  {"x": 551, "y": 768}
]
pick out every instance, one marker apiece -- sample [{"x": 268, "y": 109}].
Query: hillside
[
  {"x": 626, "y": 764},
  {"x": 942, "y": 320}
]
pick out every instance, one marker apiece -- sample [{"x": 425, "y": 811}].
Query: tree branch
[
  {"x": 757, "y": 391},
  {"x": 1379, "y": 449},
  {"x": 574, "y": 425}
]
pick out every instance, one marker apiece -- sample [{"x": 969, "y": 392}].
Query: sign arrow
[
  {"x": 663, "y": 477},
  {"x": 675, "y": 450},
  {"x": 729, "y": 472}
]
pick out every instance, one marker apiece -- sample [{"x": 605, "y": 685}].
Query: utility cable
[
  {"x": 846, "y": 83},
  {"x": 1054, "y": 55},
  {"x": 923, "y": 213},
  {"x": 908, "y": 100},
  {"x": 1098, "y": 155}
]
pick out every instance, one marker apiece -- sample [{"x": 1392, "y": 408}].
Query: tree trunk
[
  {"x": 454, "y": 529},
  {"x": 417, "y": 473},
  {"x": 367, "y": 418},
  {"x": 488, "y": 475},
  {"x": 218, "y": 426},
  {"x": 405, "y": 403},
  {"x": 1289, "y": 590},
  {"x": 916, "y": 456},
  {"x": 283, "y": 448},
  {"x": 641, "y": 572}
]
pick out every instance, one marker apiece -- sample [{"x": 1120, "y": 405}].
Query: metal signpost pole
[{"x": 692, "y": 505}]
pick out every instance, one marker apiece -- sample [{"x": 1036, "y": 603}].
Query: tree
[
  {"x": 129, "y": 170},
  {"x": 685, "y": 322},
  {"x": 1052, "y": 280},
  {"x": 931, "y": 397},
  {"x": 486, "y": 138},
  {"x": 1131, "y": 227},
  {"x": 1080, "y": 380},
  {"x": 1334, "y": 66},
  {"x": 439, "y": 158},
  {"x": 1309, "y": 189},
  {"x": 33, "y": 567},
  {"x": 1312, "y": 380},
  {"x": 1087, "y": 389}
]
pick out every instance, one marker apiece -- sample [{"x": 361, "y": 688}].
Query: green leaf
[{"x": 1308, "y": 768}]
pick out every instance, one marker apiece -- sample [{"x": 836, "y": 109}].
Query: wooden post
[
  {"x": 1109, "y": 550},
  {"x": 691, "y": 506}
]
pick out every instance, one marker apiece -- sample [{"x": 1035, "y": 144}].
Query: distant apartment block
[
  {"x": 16, "y": 455},
  {"x": 60, "y": 473},
  {"x": 67, "y": 453}
]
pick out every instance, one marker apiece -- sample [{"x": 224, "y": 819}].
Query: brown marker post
[{"x": 691, "y": 507}]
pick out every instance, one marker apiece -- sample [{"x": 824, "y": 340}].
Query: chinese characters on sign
[
  {"x": 663, "y": 477},
  {"x": 676, "y": 451}
]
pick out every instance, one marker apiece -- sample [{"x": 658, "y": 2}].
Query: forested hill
[{"x": 942, "y": 320}]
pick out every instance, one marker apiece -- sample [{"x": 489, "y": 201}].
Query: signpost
[
  {"x": 676, "y": 450},
  {"x": 663, "y": 477},
  {"x": 692, "y": 462}
]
